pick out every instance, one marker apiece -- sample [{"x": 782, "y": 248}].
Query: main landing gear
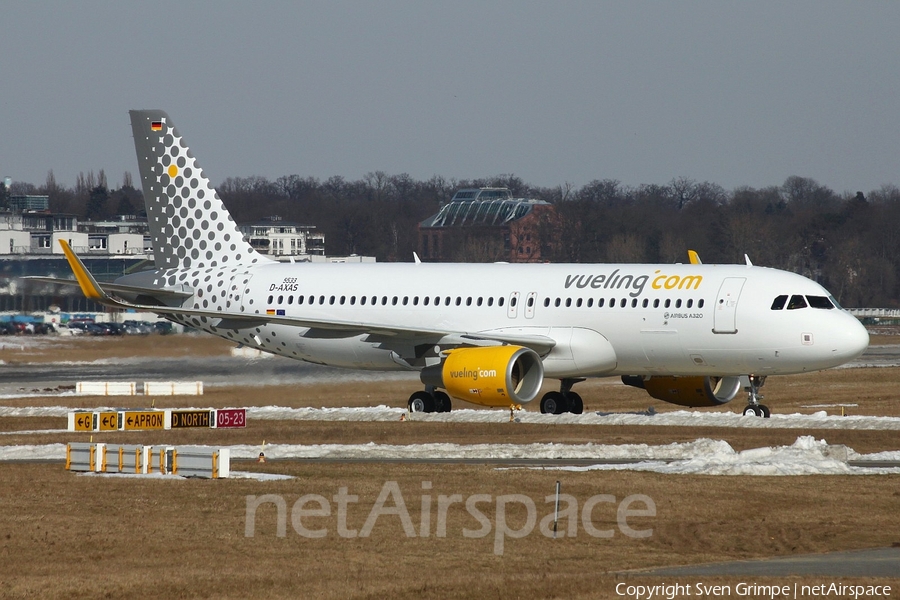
[
  {"x": 754, "y": 408},
  {"x": 429, "y": 400},
  {"x": 565, "y": 400}
]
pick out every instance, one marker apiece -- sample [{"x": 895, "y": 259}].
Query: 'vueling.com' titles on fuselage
[{"x": 614, "y": 281}]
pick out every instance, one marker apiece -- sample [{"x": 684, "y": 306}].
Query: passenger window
[
  {"x": 778, "y": 303},
  {"x": 678, "y": 303},
  {"x": 612, "y": 302},
  {"x": 796, "y": 302},
  {"x": 634, "y": 303},
  {"x": 458, "y": 300},
  {"x": 343, "y": 299},
  {"x": 819, "y": 302},
  {"x": 500, "y": 301},
  {"x": 656, "y": 303},
  {"x": 405, "y": 300},
  {"x": 469, "y": 301},
  {"x": 578, "y": 303},
  {"x": 270, "y": 299},
  {"x": 645, "y": 303},
  {"x": 546, "y": 302},
  {"x": 700, "y": 303},
  {"x": 352, "y": 300},
  {"x": 668, "y": 302},
  {"x": 600, "y": 302},
  {"x": 491, "y": 301},
  {"x": 568, "y": 302},
  {"x": 512, "y": 301},
  {"x": 299, "y": 299},
  {"x": 530, "y": 301},
  {"x": 447, "y": 301},
  {"x": 362, "y": 300},
  {"x": 623, "y": 302},
  {"x": 331, "y": 300},
  {"x": 690, "y": 302},
  {"x": 590, "y": 302},
  {"x": 321, "y": 299},
  {"x": 394, "y": 301},
  {"x": 479, "y": 301},
  {"x": 415, "y": 300},
  {"x": 426, "y": 300}
]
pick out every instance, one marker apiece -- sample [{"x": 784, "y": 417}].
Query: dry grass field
[{"x": 64, "y": 535}]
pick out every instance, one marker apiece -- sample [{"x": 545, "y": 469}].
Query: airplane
[{"x": 690, "y": 334}]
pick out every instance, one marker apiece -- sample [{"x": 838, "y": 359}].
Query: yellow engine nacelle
[
  {"x": 490, "y": 376},
  {"x": 688, "y": 391}
]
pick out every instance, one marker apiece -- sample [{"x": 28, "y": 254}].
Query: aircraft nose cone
[{"x": 855, "y": 339}]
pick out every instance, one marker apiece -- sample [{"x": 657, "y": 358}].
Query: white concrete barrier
[
  {"x": 209, "y": 463},
  {"x": 173, "y": 388},
  {"x": 105, "y": 388},
  {"x": 122, "y": 458},
  {"x": 81, "y": 456}
]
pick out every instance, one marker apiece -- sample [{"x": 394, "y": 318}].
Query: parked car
[
  {"x": 79, "y": 324},
  {"x": 138, "y": 328}
]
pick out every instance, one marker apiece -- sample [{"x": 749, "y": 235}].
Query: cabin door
[{"x": 725, "y": 316}]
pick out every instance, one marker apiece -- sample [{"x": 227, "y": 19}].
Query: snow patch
[{"x": 806, "y": 456}]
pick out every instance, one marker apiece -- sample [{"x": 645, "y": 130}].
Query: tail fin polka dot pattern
[{"x": 189, "y": 224}]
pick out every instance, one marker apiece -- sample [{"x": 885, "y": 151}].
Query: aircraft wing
[{"x": 227, "y": 320}]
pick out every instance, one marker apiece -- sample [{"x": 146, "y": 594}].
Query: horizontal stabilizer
[{"x": 157, "y": 293}]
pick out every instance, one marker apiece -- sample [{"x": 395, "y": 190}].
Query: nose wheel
[{"x": 754, "y": 408}]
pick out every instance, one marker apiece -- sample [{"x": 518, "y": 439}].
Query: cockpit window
[
  {"x": 778, "y": 304},
  {"x": 836, "y": 303},
  {"x": 819, "y": 302},
  {"x": 796, "y": 302}
]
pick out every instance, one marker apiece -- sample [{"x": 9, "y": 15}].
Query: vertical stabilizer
[{"x": 190, "y": 226}]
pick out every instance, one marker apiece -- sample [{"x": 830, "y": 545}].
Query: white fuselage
[{"x": 621, "y": 319}]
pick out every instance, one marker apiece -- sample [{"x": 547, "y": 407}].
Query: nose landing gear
[{"x": 754, "y": 408}]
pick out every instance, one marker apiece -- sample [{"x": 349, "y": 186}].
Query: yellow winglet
[
  {"x": 695, "y": 258},
  {"x": 89, "y": 286}
]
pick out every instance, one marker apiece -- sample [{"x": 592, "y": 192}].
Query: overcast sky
[{"x": 735, "y": 93}]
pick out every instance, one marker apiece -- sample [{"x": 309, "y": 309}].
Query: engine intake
[
  {"x": 688, "y": 391},
  {"x": 490, "y": 376}
]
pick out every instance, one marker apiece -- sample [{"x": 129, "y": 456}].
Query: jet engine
[
  {"x": 688, "y": 391},
  {"x": 490, "y": 376}
]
